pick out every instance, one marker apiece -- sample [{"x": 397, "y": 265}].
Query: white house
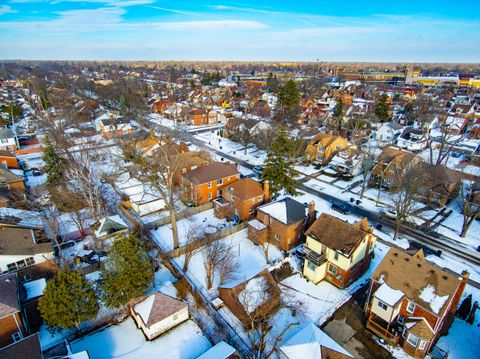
[
  {"x": 412, "y": 139},
  {"x": 7, "y": 140},
  {"x": 387, "y": 132},
  {"x": 21, "y": 248},
  {"x": 109, "y": 226},
  {"x": 270, "y": 99},
  {"x": 348, "y": 162},
  {"x": 311, "y": 342},
  {"x": 157, "y": 313}
]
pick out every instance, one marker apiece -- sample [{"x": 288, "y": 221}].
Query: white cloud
[
  {"x": 5, "y": 9},
  {"x": 211, "y": 25}
]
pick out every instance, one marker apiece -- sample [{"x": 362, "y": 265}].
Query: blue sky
[{"x": 301, "y": 30}]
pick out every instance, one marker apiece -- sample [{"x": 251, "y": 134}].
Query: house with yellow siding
[
  {"x": 337, "y": 251},
  {"x": 323, "y": 147}
]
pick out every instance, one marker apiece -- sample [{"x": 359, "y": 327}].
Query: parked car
[
  {"x": 257, "y": 170},
  {"x": 456, "y": 154},
  {"x": 340, "y": 207},
  {"x": 36, "y": 173}
]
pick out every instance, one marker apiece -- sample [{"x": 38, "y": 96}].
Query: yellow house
[
  {"x": 323, "y": 147},
  {"x": 337, "y": 251}
]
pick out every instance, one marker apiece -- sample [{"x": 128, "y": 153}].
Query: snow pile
[
  {"x": 254, "y": 294},
  {"x": 35, "y": 288},
  {"x": 428, "y": 296}
]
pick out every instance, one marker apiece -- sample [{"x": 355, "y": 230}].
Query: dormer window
[{"x": 411, "y": 307}]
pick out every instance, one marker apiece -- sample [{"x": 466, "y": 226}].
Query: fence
[
  {"x": 179, "y": 216},
  {"x": 207, "y": 239}
]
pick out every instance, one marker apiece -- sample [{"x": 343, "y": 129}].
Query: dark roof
[
  {"x": 286, "y": 210},
  {"x": 211, "y": 172},
  {"x": 20, "y": 241},
  {"x": 337, "y": 234},
  {"x": 8, "y": 295},
  {"x": 163, "y": 306},
  {"x": 244, "y": 189},
  {"x": 7, "y": 177},
  {"x": 28, "y": 347}
]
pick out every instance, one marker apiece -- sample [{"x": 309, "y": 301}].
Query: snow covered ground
[{"x": 127, "y": 341}]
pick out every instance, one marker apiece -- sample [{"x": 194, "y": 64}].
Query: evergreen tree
[
  {"x": 338, "y": 109},
  {"x": 127, "y": 273},
  {"x": 288, "y": 102},
  {"x": 465, "y": 308},
  {"x": 272, "y": 83},
  {"x": 279, "y": 168},
  {"x": 382, "y": 108},
  {"x": 54, "y": 165},
  {"x": 68, "y": 300}
]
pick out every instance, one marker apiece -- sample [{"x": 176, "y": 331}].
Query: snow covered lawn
[
  {"x": 203, "y": 222},
  {"x": 127, "y": 341}
]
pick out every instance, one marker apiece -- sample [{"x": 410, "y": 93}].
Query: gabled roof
[
  {"x": 311, "y": 342},
  {"x": 221, "y": 350},
  {"x": 109, "y": 225},
  {"x": 7, "y": 177},
  {"x": 9, "y": 295},
  {"x": 286, "y": 210},
  {"x": 244, "y": 189},
  {"x": 156, "y": 307},
  {"x": 337, "y": 234},
  {"x": 21, "y": 241},
  {"x": 421, "y": 281},
  {"x": 211, "y": 172},
  {"x": 28, "y": 347}
]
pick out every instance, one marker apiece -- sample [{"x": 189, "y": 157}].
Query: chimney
[
  {"x": 311, "y": 214},
  {"x": 266, "y": 191}
]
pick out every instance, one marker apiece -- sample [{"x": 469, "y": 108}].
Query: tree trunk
[
  {"x": 364, "y": 187},
  {"x": 173, "y": 220},
  {"x": 466, "y": 226},
  {"x": 398, "y": 225}
]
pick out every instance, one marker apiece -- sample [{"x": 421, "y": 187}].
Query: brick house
[
  {"x": 252, "y": 296},
  {"x": 203, "y": 184},
  {"x": 241, "y": 198},
  {"x": 337, "y": 251},
  {"x": 439, "y": 185},
  {"x": 411, "y": 302},
  {"x": 28, "y": 347},
  {"x": 282, "y": 223},
  {"x": 12, "y": 328},
  {"x": 8, "y": 158},
  {"x": 198, "y": 117},
  {"x": 113, "y": 127}
]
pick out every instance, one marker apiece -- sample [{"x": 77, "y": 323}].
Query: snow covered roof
[
  {"x": 110, "y": 224},
  {"x": 220, "y": 351},
  {"x": 435, "y": 301},
  {"x": 286, "y": 210},
  {"x": 312, "y": 343},
  {"x": 35, "y": 288},
  {"x": 156, "y": 307},
  {"x": 388, "y": 295},
  {"x": 255, "y": 223}
]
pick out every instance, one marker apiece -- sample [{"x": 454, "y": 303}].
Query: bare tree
[
  {"x": 404, "y": 197},
  {"x": 192, "y": 235},
  {"x": 367, "y": 165},
  {"x": 468, "y": 203},
  {"x": 218, "y": 257}
]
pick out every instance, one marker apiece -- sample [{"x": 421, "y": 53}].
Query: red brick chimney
[
  {"x": 266, "y": 191},
  {"x": 311, "y": 214}
]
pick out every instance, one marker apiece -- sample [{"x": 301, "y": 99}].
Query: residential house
[
  {"x": 161, "y": 105},
  {"x": 411, "y": 302},
  {"x": 28, "y": 347},
  {"x": 439, "y": 185},
  {"x": 412, "y": 139},
  {"x": 455, "y": 125},
  {"x": 8, "y": 158},
  {"x": 251, "y": 296},
  {"x": 322, "y": 147},
  {"x": 203, "y": 184},
  {"x": 391, "y": 165},
  {"x": 114, "y": 127},
  {"x": 388, "y": 132},
  {"x": 241, "y": 198},
  {"x": 348, "y": 162},
  {"x": 198, "y": 117},
  {"x": 10, "y": 180},
  {"x": 221, "y": 350},
  {"x": 30, "y": 294},
  {"x": 109, "y": 227},
  {"x": 281, "y": 223},
  {"x": 12, "y": 328},
  {"x": 7, "y": 140},
  {"x": 337, "y": 251},
  {"x": 157, "y": 313},
  {"x": 311, "y": 342},
  {"x": 22, "y": 247}
]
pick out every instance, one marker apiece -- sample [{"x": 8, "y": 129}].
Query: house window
[
  {"x": 311, "y": 266},
  {"x": 271, "y": 220},
  {"x": 30, "y": 261},
  {"x": 184, "y": 170},
  {"x": 412, "y": 340},
  {"x": 382, "y": 305},
  {"x": 219, "y": 192},
  {"x": 410, "y": 307},
  {"x": 11, "y": 267},
  {"x": 16, "y": 336},
  {"x": 333, "y": 269},
  {"x": 277, "y": 237},
  {"x": 260, "y": 198},
  {"x": 220, "y": 181},
  {"x": 228, "y": 178},
  {"x": 21, "y": 264},
  {"x": 4, "y": 140},
  {"x": 336, "y": 256},
  {"x": 209, "y": 184},
  {"x": 423, "y": 344},
  {"x": 209, "y": 195},
  {"x": 251, "y": 211},
  {"x": 253, "y": 200}
]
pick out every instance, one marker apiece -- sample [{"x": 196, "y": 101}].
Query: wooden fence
[
  {"x": 207, "y": 239},
  {"x": 181, "y": 215}
]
